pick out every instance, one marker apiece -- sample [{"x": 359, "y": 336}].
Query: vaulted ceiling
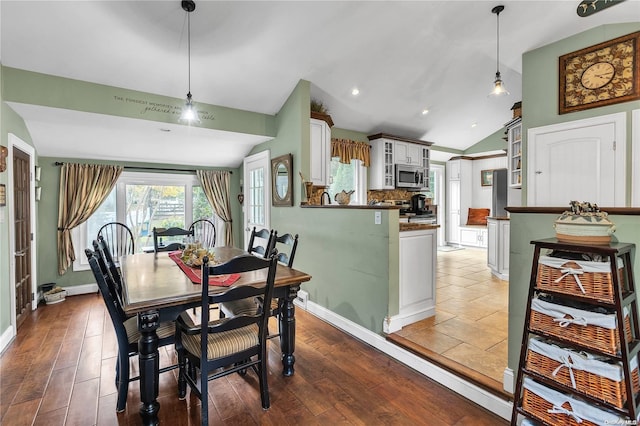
[{"x": 404, "y": 57}]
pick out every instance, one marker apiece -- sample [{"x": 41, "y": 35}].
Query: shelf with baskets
[
  {"x": 514, "y": 144},
  {"x": 579, "y": 353}
]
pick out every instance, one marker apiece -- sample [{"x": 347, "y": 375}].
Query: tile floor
[{"x": 470, "y": 325}]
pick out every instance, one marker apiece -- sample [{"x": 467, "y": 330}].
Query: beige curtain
[
  {"x": 83, "y": 187},
  {"x": 349, "y": 150},
  {"x": 215, "y": 185}
]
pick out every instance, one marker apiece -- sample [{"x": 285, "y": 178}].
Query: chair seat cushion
[
  {"x": 165, "y": 329},
  {"x": 225, "y": 343},
  {"x": 239, "y": 307}
]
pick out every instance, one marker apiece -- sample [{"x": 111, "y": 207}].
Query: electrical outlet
[{"x": 377, "y": 218}]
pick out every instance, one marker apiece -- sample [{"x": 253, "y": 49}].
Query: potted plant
[{"x": 320, "y": 112}]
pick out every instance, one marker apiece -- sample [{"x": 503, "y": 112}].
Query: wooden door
[
  {"x": 581, "y": 161},
  {"x": 257, "y": 193},
  {"x": 22, "y": 235}
]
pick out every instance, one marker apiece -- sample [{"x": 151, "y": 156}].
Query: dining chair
[
  {"x": 286, "y": 256},
  {"x": 266, "y": 236},
  {"x": 126, "y": 329},
  {"x": 159, "y": 233},
  {"x": 227, "y": 345},
  {"x": 119, "y": 238},
  {"x": 204, "y": 231},
  {"x": 109, "y": 268}
]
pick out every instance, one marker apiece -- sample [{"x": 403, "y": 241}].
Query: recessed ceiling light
[
  {"x": 425, "y": 111},
  {"x": 355, "y": 91},
  {"x": 474, "y": 124}
]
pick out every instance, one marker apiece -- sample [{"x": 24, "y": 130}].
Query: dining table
[{"x": 156, "y": 289}]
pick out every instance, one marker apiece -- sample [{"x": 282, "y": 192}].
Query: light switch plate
[{"x": 377, "y": 218}]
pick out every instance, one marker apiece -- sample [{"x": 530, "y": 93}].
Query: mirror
[{"x": 281, "y": 181}]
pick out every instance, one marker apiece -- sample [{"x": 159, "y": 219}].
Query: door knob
[{"x": 538, "y": 172}]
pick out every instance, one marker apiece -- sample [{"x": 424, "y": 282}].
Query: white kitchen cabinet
[
  {"x": 459, "y": 184},
  {"x": 474, "y": 236},
  {"x": 498, "y": 247},
  {"x": 514, "y": 155},
  {"x": 381, "y": 170},
  {"x": 417, "y": 281},
  {"x": 410, "y": 154},
  {"x": 320, "y": 149}
]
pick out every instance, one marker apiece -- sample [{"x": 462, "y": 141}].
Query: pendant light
[
  {"x": 189, "y": 113},
  {"x": 498, "y": 85}
]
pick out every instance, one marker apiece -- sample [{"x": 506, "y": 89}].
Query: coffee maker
[{"x": 418, "y": 204}]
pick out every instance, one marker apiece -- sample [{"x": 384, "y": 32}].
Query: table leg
[
  {"x": 288, "y": 331},
  {"x": 149, "y": 362}
]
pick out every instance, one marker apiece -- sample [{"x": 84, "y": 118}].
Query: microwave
[{"x": 411, "y": 177}]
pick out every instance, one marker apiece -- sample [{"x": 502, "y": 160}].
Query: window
[
  {"x": 348, "y": 177},
  {"x": 143, "y": 201}
]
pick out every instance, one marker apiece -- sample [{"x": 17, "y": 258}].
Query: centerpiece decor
[{"x": 584, "y": 223}]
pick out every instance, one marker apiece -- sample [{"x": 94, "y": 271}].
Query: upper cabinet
[
  {"x": 320, "y": 152},
  {"x": 387, "y": 151},
  {"x": 514, "y": 142}
]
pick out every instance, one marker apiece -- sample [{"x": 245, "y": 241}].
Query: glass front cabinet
[{"x": 514, "y": 140}]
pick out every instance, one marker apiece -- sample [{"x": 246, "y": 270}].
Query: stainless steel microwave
[{"x": 411, "y": 177}]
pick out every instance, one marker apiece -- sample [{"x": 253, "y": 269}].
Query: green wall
[
  {"x": 540, "y": 108},
  {"x": 493, "y": 142}
]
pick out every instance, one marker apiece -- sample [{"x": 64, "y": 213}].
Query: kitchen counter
[
  {"x": 417, "y": 226},
  {"x": 348, "y": 206}
]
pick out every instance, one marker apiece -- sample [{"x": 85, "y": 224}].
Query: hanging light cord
[
  {"x": 189, "y": 47},
  {"x": 498, "y": 43}
]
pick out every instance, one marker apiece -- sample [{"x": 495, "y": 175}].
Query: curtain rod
[{"x": 58, "y": 163}]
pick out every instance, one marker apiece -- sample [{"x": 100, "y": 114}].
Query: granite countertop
[{"x": 417, "y": 226}]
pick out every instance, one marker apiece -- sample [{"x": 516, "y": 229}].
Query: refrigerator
[{"x": 499, "y": 193}]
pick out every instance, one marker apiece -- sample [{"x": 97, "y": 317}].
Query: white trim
[
  {"x": 14, "y": 141},
  {"x": 635, "y": 164},
  {"x": 508, "y": 382},
  {"x": 619, "y": 122},
  {"x": 396, "y": 322},
  {"x": 466, "y": 389},
  {"x": 76, "y": 290},
  {"x": 6, "y": 338},
  {"x": 261, "y": 159}
]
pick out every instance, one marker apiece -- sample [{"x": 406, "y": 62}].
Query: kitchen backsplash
[{"x": 390, "y": 194}]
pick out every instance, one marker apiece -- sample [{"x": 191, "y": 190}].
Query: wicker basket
[
  {"x": 539, "y": 407},
  {"x": 596, "y": 285},
  {"x": 55, "y": 296},
  {"x": 591, "y": 336},
  {"x": 594, "y": 385}
]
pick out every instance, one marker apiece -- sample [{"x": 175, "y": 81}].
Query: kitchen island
[{"x": 417, "y": 269}]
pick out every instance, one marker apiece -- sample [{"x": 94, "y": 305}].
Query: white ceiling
[{"x": 403, "y": 56}]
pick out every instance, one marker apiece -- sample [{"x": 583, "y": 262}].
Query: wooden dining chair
[
  {"x": 227, "y": 345},
  {"x": 119, "y": 238},
  {"x": 286, "y": 245},
  {"x": 264, "y": 245},
  {"x": 204, "y": 231},
  {"x": 160, "y": 233},
  {"x": 126, "y": 329}
]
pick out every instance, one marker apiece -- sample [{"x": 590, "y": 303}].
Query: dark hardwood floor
[{"x": 60, "y": 371}]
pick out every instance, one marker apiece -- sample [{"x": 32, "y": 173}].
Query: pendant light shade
[
  {"x": 498, "y": 85},
  {"x": 189, "y": 113}
]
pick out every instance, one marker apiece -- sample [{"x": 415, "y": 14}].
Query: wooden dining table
[{"x": 156, "y": 290}]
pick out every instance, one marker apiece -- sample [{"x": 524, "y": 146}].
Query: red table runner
[{"x": 195, "y": 274}]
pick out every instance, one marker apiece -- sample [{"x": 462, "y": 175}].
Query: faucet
[{"x": 322, "y": 198}]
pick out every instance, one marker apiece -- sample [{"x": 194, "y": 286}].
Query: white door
[
  {"x": 453, "y": 213},
  {"x": 257, "y": 193},
  {"x": 580, "y": 161},
  {"x": 437, "y": 176}
]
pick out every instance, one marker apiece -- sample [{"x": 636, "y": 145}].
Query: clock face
[{"x": 598, "y": 75}]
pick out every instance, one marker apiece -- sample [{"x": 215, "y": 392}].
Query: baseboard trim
[
  {"x": 466, "y": 389},
  {"x": 6, "y": 338},
  {"x": 396, "y": 322},
  {"x": 76, "y": 290},
  {"x": 508, "y": 382}
]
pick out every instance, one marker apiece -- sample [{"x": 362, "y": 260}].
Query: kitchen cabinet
[
  {"x": 458, "y": 176},
  {"x": 417, "y": 269},
  {"x": 381, "y": 170},
  {"x": 514, "y": 155},
  {"x": 498, "y": 247},
  {"x": 411, "y": 154},
  {"x": 474, "y": 236},
  {"x": 320, "y": 148}
]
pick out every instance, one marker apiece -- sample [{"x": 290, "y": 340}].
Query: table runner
[{"x": 195, "y": 274}]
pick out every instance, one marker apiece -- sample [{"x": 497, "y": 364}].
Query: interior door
[
  {"x": 22, "y": 235},
  {"x": 580, "y": 162},
  {"x": 257, "y": 193}
]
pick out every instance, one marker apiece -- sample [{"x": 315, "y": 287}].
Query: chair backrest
[
  {"x": 115, "y": 311},
  {"x": 286, "y": 256},
  {"x": 109, "y": 267},
  {"x": 158, "y": 233},
  {"x": 204, "y": 231},
  {"x": 237, "y": 265},
  {"x": 265, "y": 247},
  {"x": 119, "y": 239}
]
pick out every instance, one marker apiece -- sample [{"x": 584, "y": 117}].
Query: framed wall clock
[{"x": 599, "y": 75}]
